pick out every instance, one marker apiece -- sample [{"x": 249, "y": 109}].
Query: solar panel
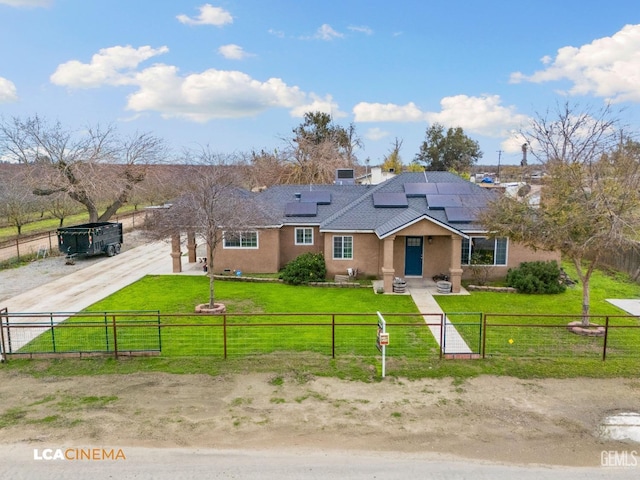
[
  {"x": 460, "y": 214},
  {"x": 300, "y": 209},
  {"x": 454, "y": 188},
  {"x": 419, "y": 189},
  {"x": 321, "y": 197},
  {"x": 390, "y": 200},
  {"x": 442, "y": 201}
]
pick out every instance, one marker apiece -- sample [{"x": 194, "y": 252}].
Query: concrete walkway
[
  {"x": 76, "y": 291},
  {"x": 422, "y": 291}
]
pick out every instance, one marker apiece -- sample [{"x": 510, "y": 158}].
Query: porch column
[
  {"x": 455, "y": 268},
  {"x": 175, "y": 253},
  {"x": 191, "y": 246},
  {"x": 388, "y": 272}
]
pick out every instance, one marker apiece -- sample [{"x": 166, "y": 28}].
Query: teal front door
[{"x": 413, "y": 256}]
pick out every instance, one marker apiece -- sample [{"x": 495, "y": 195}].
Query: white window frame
[
  {"x": 333, "y": 247},
  {"x": 243, "y": 237},
  {"x": 467, "y": 261},
  {"x": 304, "y": 230}
]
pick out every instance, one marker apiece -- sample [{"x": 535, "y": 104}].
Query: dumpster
[{"x": 90, "y": 239}]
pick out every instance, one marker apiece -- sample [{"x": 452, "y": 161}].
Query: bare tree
[
  {"x": 212, "y": 204},
  {"x": 89, "y": 166},
  {"x": 18, "y": 205},
  {"x": 590, "y": 200}
]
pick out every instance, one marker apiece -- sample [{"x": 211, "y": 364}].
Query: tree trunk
[
  {"x": 212, "y": 296},
  {"x": 585, "y": 301}
]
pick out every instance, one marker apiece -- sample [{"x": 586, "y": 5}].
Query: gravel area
[{"x": 14, "y": 281}]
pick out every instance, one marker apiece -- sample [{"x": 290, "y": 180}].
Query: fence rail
[{"x": 331, "y": 334}]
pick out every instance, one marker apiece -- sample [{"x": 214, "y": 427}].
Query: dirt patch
[{"x": 492, "y": 418}]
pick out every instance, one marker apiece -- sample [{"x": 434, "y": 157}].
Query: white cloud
[
  {"x": 480, "y": 115},
  {"x": 317, "y": 104},
  {"x": 196, "y": 96},
  {"x": 387, "y": 112},
  {"x": 375, "y": 134},
  {"x": 110, "y": 66},
  {"x": 325, "y": 32},
  {"x": 476, "y": 115},
  {"x": 276, "y": 33},
  {"x": 233, "y": 52},
  {"x": 211, "y": 94},
  {"x": 26, "y": 3},
  {"x": 361, "y": 29},
  {"x": 608, "y": 67},
  {"x": 209, "y": 15},
  {"x": 8, "y": 92}
]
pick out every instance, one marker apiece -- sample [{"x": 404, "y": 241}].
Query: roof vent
[{"x": 345, "y": 176}]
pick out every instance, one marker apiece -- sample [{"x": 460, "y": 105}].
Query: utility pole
[{"x": 499, "y": 158}]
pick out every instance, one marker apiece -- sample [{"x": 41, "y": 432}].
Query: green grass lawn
[
  {"x": 265, "y": 318},
  {"x": 550, "y": 310},
  {"x": 254, "y": 324}
]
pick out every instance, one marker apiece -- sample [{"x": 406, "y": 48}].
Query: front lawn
[
  {"x": 254, "y": 324},
  {"x": 552, "y": 311}
]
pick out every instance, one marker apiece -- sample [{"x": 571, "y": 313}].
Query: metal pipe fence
[{"x": 330, "y": 334}]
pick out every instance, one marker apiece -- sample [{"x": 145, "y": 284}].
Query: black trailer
[{"x": 90, "y": 239}]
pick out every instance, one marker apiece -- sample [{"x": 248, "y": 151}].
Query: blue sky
[{"x": 238, "y": 75}]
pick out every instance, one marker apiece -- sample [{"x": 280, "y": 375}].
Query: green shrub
[
  {"x": 308, "y": 267},
  {"x": 536, "y": 277}
]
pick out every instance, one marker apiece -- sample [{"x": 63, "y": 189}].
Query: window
[
  {"x": 240, "y": 239},
  {"x": 304, "y": 236},
  {"x": 484, "y": 251},
  {"x": 343, "y": 248}
]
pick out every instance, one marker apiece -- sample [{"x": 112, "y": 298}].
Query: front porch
[{"x": 421, "y": 257}]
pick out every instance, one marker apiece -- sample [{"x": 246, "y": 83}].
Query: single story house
[{"x": 412, "y": 225}]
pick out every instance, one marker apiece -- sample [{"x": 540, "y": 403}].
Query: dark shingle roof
[{"x": 352, "y": 206}]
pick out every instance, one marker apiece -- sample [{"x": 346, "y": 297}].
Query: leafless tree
[
  {"x": 90, "y": 166},
  {"x": 18, "y": 205},
  {"x": 211, "y": 204},
  {"x": 590, "y": 200}
]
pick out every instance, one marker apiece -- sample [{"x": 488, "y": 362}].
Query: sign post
[{"x": 382, "y": 340}]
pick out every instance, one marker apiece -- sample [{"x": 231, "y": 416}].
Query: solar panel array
[
  {"x": 301, "y": 209},
  {"x": 321, "y": 197},
  {"x": 390, "y": 200}
]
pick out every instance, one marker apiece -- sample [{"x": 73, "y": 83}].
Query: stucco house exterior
[{"x": 412, "y": 225}]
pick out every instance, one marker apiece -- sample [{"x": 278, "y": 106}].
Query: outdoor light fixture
[{"x": 430, "y": 239}]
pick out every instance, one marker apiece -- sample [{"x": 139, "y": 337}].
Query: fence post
[
  {"x": 18, "y": 247},
  {"x": 442, "y": 335},
  {"x": 333, "y": 335},
  {"x": 53, "y": 334},
  {"x": 484, "y": 336},
  {"x": 159, "y": 333},
  {"x": 106, "y": 330},
  {"x": 224, "y": 334},
  {"x": 115, "y": 338},
  {"x": 3, "y": 351},
  {"x": 606, "y": 336}
]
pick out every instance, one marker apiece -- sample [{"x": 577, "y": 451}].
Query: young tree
[
  {"x": 453, "y": 151},
  {"x": 590, "y": 201},
  {"x": 87, "y": 166},
  {"x": 211, "y": 204}
]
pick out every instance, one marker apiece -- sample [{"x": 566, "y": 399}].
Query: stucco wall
[
  {"x": 516, "y": 254},
  {"x": 288, "y": 248},
  {"x": 367, "y": 255},
  {"x": 264, "y": 259}
]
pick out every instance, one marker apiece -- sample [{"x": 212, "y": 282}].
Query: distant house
[{"x": 412, "y": 225}]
